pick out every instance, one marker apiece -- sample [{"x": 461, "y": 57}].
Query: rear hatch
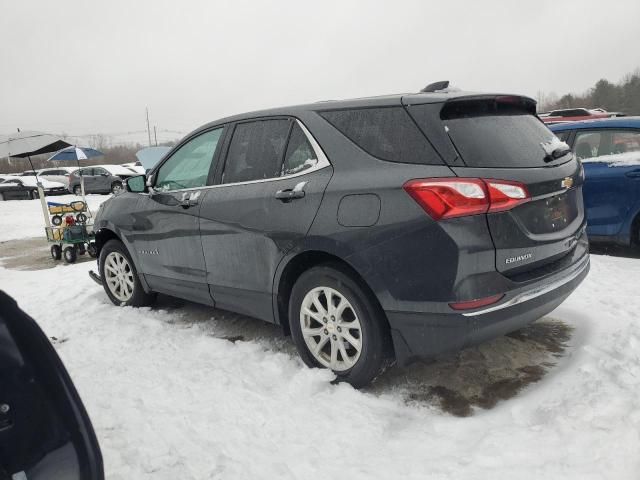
[{"x": 500, "y": 137}]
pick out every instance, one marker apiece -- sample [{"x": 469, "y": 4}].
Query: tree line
[{"x": 623, "y": 96}]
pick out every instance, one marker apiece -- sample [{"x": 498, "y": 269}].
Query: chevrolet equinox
[{"x": 372, "y": 230}]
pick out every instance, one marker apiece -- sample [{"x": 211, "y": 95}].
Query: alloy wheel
[
  {"x": 119, "y": 276},
  {"x": 331, "y": 328}
]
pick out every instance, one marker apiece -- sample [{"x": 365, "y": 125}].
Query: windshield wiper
[{"x": 554, "y": 149}]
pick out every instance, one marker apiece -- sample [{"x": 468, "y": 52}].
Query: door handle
[
  {"x": 291, "y": 193},
  {"x": 189, "y": 199},
  {"x": 633, "y": 174}
]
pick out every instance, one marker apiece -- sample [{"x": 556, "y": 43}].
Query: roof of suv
[
  {"x": 377, "y": 101},
  {"x": 613, "y": 122}
]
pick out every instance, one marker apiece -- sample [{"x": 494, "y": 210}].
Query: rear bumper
[{"x": 419, "y": 335}]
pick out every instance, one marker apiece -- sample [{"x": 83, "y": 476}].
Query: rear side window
[
  {"x": 563, "y": 135},
  {"x": 387, "y": 133},
  {"x": 256, "y": 150},
  {"x": 300, "y": 155},
  {"x": 602, "y": 144},
  {"x": 494, "y": 133}
]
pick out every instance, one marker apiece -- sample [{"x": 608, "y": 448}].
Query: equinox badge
[{"x": 519, "y": 258}]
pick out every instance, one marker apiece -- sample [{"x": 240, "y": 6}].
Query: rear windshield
[
  {"x": 387, "y": 133},
  {"x": 498, "y": 134}
]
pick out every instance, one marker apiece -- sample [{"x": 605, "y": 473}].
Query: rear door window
[
  {"x": 608, "y": 145},
  {"x": 256, "y": 150},
  {"x": 488, "y": 133},
  {"x": 387, "y": 133}
]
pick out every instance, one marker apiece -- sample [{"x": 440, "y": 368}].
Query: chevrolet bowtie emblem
[{"x": 567, "y": 182}]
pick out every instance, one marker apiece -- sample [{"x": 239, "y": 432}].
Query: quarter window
[
  {"x": 189, "y": 166},
  {"x": 300, "y": 155},
  {"x": 387, "y": 133},
  {"x": 256, "y": 150}
]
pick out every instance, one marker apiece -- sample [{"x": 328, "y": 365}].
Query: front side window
[
  {"x": 189, "y": 166},
  {"x": 564, "y": 135},
  {"x": 601, "y": 145},
  {"x": 256, "y": 150},
  {"x": 300, "y": 155}
]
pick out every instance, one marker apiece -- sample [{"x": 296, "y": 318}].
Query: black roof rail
[{"x": 435, "y": 86}]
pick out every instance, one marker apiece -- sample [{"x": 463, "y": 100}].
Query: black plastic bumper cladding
[{"x": 426, "y": 335}]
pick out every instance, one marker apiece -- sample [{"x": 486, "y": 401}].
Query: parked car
[
  {"x": 609, "y": 149},
  {"x": 135, "y": 167},
  {"x": 99, "y": 179},
  {"x": 24, "y": 188},
  {"x": 576, "y": 114},
  {"x": 45, "y": 431},
  {"x": 400, "y": 227},
  {"x": 57, "y": 174}
]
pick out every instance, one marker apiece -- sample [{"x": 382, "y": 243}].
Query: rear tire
[
  {"x": 77, "y": 190},
  {"x": 342, "y": 324},
  {"x": 56, "y": 252},
  {"x": 120, "y": 277},
  {"x": 34, "y": 195},
  {"x": 56, "y": 220},
  {"x": 92, "y": 250},
  {"x": 1, "y": 197}
]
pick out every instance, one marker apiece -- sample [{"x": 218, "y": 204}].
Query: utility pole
[
  {"x": 148, "y": 129},
  {"x": 155, "y": 135}
]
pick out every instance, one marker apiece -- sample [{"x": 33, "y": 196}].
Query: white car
[
  {"x": 134, "y": 166},
  {"x": 57, "y": 174}
]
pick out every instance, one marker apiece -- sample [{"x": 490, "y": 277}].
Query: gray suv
[
  {"x": 96, "y": 180},
  {"x": 371, "y": 230}
]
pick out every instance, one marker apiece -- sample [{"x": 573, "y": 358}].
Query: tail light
[{"x": 459, "y": 197}]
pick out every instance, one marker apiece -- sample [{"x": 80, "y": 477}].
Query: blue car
[{"x": 609, "y": 149}]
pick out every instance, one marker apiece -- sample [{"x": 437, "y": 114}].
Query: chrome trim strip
[
  {"x": 534, "y": 293},
  {"x": 323, "y": 162}
]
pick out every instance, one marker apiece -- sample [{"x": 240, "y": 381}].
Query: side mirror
[
  {"x": 137, "y": 184},
  {"x": 45, "y": 431}
]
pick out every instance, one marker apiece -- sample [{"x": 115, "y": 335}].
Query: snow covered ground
[{"x": 175, "y": 393}]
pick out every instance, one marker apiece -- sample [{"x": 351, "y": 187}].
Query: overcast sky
[{"x": 83, "y": 66}]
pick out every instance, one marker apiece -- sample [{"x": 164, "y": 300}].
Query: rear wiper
[{"x": 554, "y": 149}]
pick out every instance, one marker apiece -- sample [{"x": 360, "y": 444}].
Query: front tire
[
  {"x": 120, "y": 278},
  {"x": 70, "y": 254},
  {"x": 336, "y": 324}
]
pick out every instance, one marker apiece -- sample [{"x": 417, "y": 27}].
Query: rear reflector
[
  {"x": 481, "y": 302},
  {"x": 460, "y": 197}
]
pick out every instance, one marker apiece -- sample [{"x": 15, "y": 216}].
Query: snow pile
[{"x": 627, "y": 159}]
